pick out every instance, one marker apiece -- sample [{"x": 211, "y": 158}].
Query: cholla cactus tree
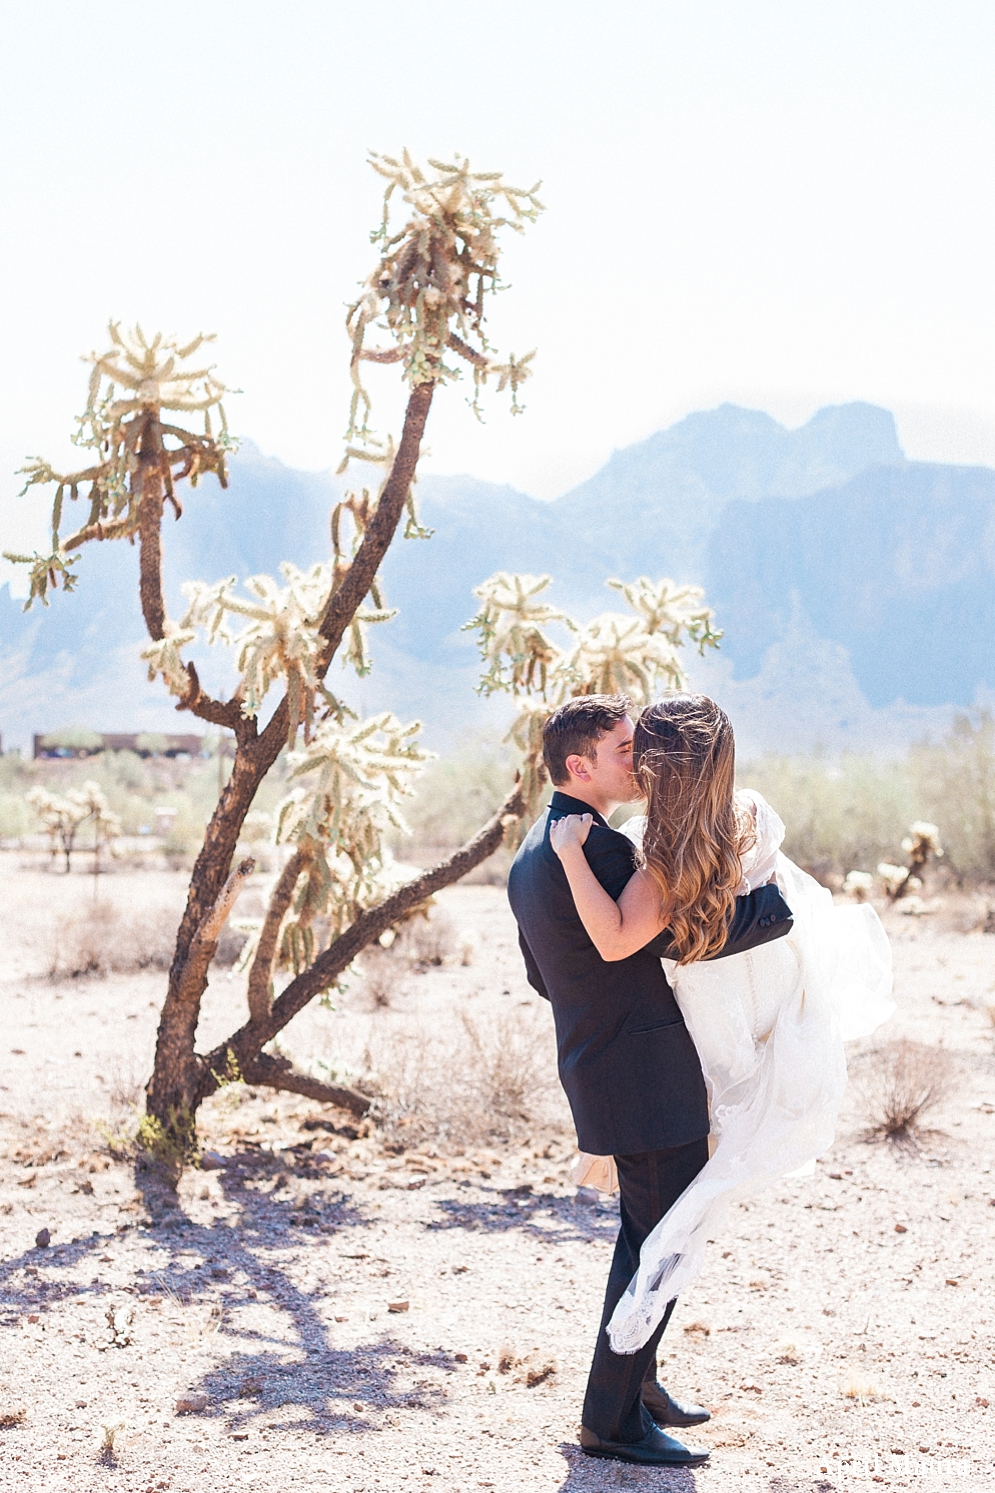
[
  {"x": 64, "y": 815},
  {"x": 140, "y": 457},
  {"x": 61, "y": 816},
  {"x": 339, "y": 890},
  {"x": 920, "y": 844},
  {"x": 426, "y": 296},
  {"x": 635, "y": 654},
  {"x": 858, "y": 885}
]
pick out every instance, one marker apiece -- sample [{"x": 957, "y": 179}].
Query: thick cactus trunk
[{"x": 181, "y": 1079}]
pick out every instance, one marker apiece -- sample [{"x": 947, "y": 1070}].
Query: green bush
[
  {"x": 849, "y": 814},
  {"x": 457, "y": 794},
  {"x": 956, "y": 784}
]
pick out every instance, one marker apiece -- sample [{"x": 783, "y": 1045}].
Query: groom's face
[{"x": 607, "y": 776}]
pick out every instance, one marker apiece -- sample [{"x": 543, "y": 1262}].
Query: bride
[{"x": 769, "y": 1025}]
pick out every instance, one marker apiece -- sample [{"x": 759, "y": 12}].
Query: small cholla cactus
[
  {"x": 63, "y": 816},
  {"x": 858, "y": 885},
  {"x": 896, "y": 880},
  {"x": 921, "y": 842}
]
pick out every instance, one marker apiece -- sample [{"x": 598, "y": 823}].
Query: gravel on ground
[{"x": 325, "y": 1311}]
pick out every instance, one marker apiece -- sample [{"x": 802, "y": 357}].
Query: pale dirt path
[{"x": 269, "y": 1287}]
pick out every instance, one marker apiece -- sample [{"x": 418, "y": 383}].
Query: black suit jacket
[{"x": 626, "y": 1059}]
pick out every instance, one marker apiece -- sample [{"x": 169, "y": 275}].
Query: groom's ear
[{"x": 578, "y": 767}]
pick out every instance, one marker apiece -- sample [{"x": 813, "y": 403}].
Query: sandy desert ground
[{"x": 355, "y": 1317}]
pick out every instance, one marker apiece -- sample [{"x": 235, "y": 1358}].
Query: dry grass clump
[
  {"x": 902, "y": 1083},
  {"x": 421, "y": 944},
  {"x": 858, "y": 1387},
  {"x": 428, "y": 942},
  {"x": 381, "y": 971},
  {"x": 108, "y": 1451},
  {"x": 102, "y": 939},
  {"x": 466, "y": 1083}
]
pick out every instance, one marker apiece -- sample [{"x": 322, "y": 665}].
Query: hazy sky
[{"x": 779, "y": 202}]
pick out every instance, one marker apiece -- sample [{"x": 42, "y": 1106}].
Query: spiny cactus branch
[
  {"x": 381, "y": 528},
  {"x": 368, "y": 926},
  {"x": 260, "y": 983},
  {"x": 279, "y": 1073}
]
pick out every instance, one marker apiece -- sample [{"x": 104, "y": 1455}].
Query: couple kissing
[{"x": 702, "y": 987}]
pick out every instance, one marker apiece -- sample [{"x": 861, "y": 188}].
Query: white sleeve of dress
[
  {"x": 634, "y": 829},
  {"x": 760, "y": 861}
]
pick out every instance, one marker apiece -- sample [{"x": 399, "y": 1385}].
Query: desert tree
[
  {"x": 421, "y": 308},
  {"x": 63, "y": 815}
]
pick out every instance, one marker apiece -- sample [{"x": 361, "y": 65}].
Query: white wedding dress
[{"x": 769, "y": 1026}]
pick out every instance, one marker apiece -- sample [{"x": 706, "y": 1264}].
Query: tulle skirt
[{"x": 769, "y": 1026}]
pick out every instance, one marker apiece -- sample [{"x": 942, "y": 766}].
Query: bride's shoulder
[
  {"x": 753, "y": 801},
  {"x": 768, "y": 823},
  {"x": 634, "y": 828}
]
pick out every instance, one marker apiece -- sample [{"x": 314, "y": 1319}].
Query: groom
[{"x": 626, "y": 1059}]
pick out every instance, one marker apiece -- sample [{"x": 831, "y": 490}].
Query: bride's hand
[{"x": 573, "y": 829}]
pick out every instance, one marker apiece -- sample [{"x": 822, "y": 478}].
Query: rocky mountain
[{"x": 857, "y": 590}]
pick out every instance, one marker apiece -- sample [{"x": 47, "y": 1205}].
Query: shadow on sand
[
  {"x": 322, "y": 1387},
  {"x": 544, "y": 1215},
  {"x": 591, "y": 1475}
]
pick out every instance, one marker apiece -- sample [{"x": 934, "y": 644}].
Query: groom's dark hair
[{"x": 577, "y": 727}]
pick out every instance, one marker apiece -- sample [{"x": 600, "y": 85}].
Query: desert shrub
[
  {"x": 860, "y": 1386},
  {"x": 841, "y": 815},
  {"x": 381, "y": 971},
  {"x": 458, "y": 792},
  {"x": 16, "y": 816},
  {"x": 429, "y": 941},
  {"x": 955, "y": 782},
  {"x": 467, "y": 1083},
  {"x": 900, "y": 1084},
  {"x": 103, "y": 939},
  {"x": 503, "y": 1061}
]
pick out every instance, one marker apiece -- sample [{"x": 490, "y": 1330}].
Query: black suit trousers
[{"x": 649, "y": 1185}]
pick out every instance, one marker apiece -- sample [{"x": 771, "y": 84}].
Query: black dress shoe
[
  {"x": 667, "y": 1411},
  {"x": 655, "y": 1450}
]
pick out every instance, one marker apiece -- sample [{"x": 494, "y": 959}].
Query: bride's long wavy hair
[{"x": 684, "y": 756}]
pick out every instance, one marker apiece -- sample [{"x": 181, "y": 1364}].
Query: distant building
[{"x": 143, "y": 743}]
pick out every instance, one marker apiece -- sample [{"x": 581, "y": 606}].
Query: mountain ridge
[{"x": 825, "y": 535}]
